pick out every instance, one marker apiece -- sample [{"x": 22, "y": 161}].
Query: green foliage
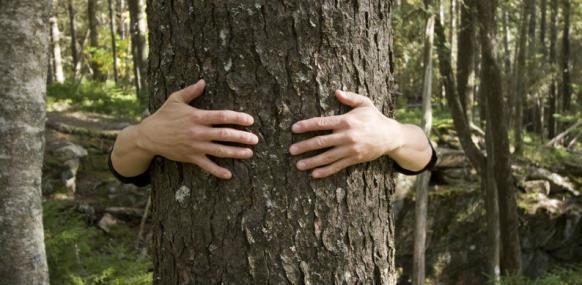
[
  {"x": 81, "y": 255},
  {"x": 89, "y": 96},
  {"x": 559, "y": 276},
  {"x": 441, "y": 117}
]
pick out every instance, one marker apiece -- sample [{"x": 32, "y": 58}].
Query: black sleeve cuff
[
  {"x": 139, "y": 180},
  {"x": 429, "y": 166}
]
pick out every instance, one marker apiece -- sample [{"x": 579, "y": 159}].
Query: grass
[
  {"x": 98, "y": 97},
  {"x": 558, "y": 276},
  {"x": 83, "y": 255}
]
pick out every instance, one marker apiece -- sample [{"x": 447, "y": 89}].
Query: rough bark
[
  {"x": 113, "y": 32},
  {"x": 138, "y": 28},
  {"x": 491, "y": 86},
  {"x": 566, "y": 82},
  {"x": 465, "y": 63},
  {"x": 73, "y": 32},
  {"x": 93, "y": 35},
  {"x": 280, "y": 61},
  {"x": 23, "y": 58},
  {"x": 58, "y": 72},
  {"x": 422, "y": 181}
]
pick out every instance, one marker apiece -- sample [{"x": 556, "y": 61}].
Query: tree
[
  {"x": 56, "y": 49},
  {"x": 422, "y": 181},
  {"x": 113, "y": 41},
  {"x": 491, "y": 87},
  {"x": 23, "y": 58},
  {"x": 281, "y": 62},
  {"x": 93, "y": 35},
  {"x": 566, "y": 82},
  {"x": 465, "y": 62},
  {"x": 139, "y": 48},
  {"x": 520, "y": 81},
  {"x": 73, "y": 31},
  {"x": 553, "y": 108}
]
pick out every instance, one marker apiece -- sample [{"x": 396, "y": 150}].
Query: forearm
[
  {"x": 414, "y": 151},
  {"x": 129, "y": 157}
]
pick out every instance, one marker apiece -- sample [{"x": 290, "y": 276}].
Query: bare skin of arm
[
  {"x": 361, "y": 135},
  {"x": 180, "y": 132}
]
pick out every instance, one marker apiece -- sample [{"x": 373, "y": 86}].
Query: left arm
[{"x": 359, "y": 136}]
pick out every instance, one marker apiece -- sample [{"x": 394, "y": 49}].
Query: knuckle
[
  {"x": 351, "y": 137},
  {"x": 223, "y": 133},
  {"x": 319, "y": 142},
  {"x": 321, "y": 122},
  {"x": 347, "y": 122}
]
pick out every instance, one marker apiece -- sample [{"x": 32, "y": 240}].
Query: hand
[
  {"x": 180, "y": 132},
  {"x": 361, "y": 135}
]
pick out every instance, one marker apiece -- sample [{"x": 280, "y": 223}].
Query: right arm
[{"x": 180, "y": 132}]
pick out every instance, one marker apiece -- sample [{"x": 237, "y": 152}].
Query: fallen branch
[
  {"x": 73, "y": 130},
  {"x": 553, "y": 142}
]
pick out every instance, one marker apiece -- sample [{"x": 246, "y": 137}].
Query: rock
[
  {"x": 558, "y": 182},
  {"x": 536, "y": 186},
  {"x": 106, "y": 222},
  {"x": 69, "y": 151},
  {"x": 451, "y": 158}
]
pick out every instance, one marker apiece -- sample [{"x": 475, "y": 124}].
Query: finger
[
  {"x": 191, "y": 92},
  {"x": 212, "y": 167},
  {"x": 352, "y": 99},
  {"x": 317, "y": 124},
  {"x": 226, "y": 151},
  {"x": 224, "y": 117},
  {"x": 325, "y": 158},
  {"x": 333, "y": 168},
  {"x": 230, "y": 135},
  {"x": 319, "y": 142}
]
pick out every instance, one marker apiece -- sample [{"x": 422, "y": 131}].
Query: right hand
[{"x": 180, "y": 132}]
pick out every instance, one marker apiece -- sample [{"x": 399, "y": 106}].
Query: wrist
[
  {"x": 394, "y": 132},
  {"x": 141, "y": 138}
]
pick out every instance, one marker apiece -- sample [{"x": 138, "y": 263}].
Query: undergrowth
[
  {"x": 83, "y": 255},
  {"x": 559, "y": 276},
  {"x": 90, "y": 96}
]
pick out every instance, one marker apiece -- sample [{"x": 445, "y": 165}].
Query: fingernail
[
  {"x": 295, "y": 127},
  {"x": 315, "y": 174},
  {"x": 227, "y": 175},
  {"x": 300, "y": 165},
  {"x": 293, "y": 149}
]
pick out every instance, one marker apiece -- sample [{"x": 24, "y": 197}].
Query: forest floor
[{"x": 93, "y": 225}]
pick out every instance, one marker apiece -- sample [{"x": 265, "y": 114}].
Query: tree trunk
[
  {"x": 520, "y": 79},
  {"x": 543, "y": 9},
  {"x": 491, "y": 86},
  {"x": 536, "y": 109},
  {"x": 553, "y": 64},
  {"x": 23, "y": 58},
  {"x": 566, "y": 82},
  {"x": 453, "y": 31},
  {"x": 422, "y": 182},
  {"x": 56, "y": 50},
  {"x": 93, "y": 36},
  {"x": 113, "y": 41},
  {"x": 120, "y": 19},
  {"x": 138, "y": 28},
  {"x": 465, "y": 63},
  {"x": 73, "y": 31},
  {"x": 280, "y": 61}
]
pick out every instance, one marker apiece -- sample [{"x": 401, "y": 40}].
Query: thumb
[
  {"x": 352, "y": 99},
  {"x": 191, "y": 92}
]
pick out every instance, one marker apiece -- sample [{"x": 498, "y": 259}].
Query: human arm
[
  {"x": 361, "y": 135},
  {"x": 180, "y": 132}
]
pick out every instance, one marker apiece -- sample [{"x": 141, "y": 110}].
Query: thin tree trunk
[
  {"x": 93, "y": 36},
  {"x": 566, "y": 82},
  {"x": 520, "y": 79},
  {"x": 491, "y": 86},
  {"x": 73, "y": 30},
  {"x": 138, "y": 28},
  {"x": 453, "y": 30},
  {"x": 465, "y": 63},
  {"x": 553, "y": 64},
  {"x": 272, "y": 224},
  {"x": 113, "y": 41},
  {"x": 23, "y": 58},
  {"x": 418, "y": 264},
  {"x": 58, "y": 59},
  {"x": 509, "y": 95}
]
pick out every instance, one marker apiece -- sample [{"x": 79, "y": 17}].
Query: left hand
[{"x": 359, "y": 136}]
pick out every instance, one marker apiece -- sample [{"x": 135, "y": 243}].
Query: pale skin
[{"x": 180, "y": 132}]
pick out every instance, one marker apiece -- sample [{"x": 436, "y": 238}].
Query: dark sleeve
[
  {"x": 429, "y": 166},
  {"x": 139, "y": 180}
]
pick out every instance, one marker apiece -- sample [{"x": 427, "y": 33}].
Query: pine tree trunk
[
  {"x": 280, "y": 61},
  {"x": 56, "y": 50},
  {"x": 23, "y": 58},
  {"x": 73, "y": 31},
  {"x": 491, "y": 86},
  {"x": 553, "y": 63},
  {"x": 113, "y": 32},
  {"x": 566, "y": 82},
  {"x": 520, "y": 79},
  {"x": 138, "y": 28},
  {"x": 422, "y": 181},
  {"x": 465, "y": 63},
  {"x": 93, "y": 35}
]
